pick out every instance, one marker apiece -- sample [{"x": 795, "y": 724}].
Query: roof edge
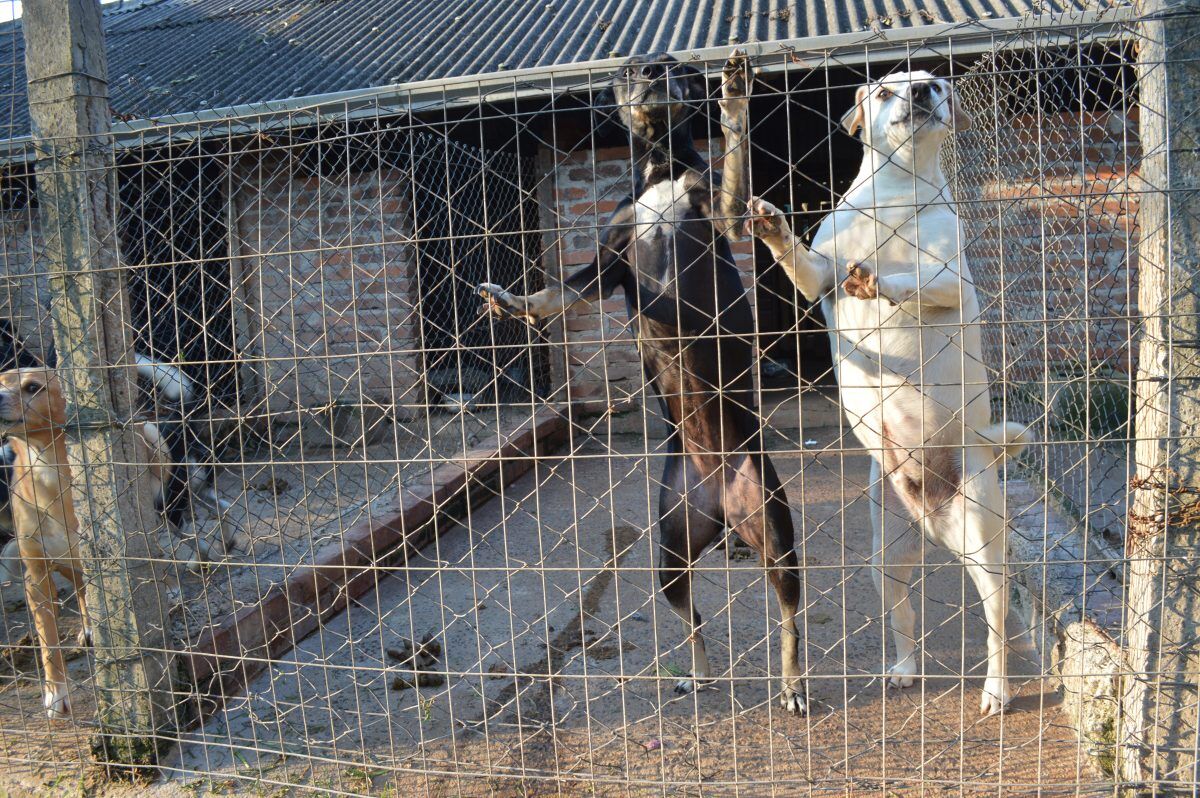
[{"x": 413, "y": 97}]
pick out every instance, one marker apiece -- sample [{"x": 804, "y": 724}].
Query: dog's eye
[
  {"x": 936, "y": 87},
  {"x": 32, "y": 387},
  {"x": 884, "y": 93}
]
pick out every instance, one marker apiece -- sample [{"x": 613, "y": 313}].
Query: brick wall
[
  {"x": 578, "y": 193},
  {"x": 328, "y": 278},
  {"x": 1055, "y": 256}
]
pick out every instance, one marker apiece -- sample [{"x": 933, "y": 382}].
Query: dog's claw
[
  {"x": 736, "y": 76},
  {"x": 765, "y": 220},
  {"x": 497, "y": 301},
  {"x": 902, "y": 674},
  {"x": 860, "y": 283},
  {"x": 691, "y": 684},
  {"x": 85, "y": 637}
]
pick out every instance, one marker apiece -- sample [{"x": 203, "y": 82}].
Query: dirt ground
[
  {"x": 290, "y": 501},
  {"x": 558, "y": 661}
]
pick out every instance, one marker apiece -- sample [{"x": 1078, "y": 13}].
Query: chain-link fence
[
  {"x": 411, "y": 539},
  {"x": 1045, "y": 179}
]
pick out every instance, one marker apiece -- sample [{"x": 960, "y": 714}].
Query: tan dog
[{"x": 32, "y": 414}]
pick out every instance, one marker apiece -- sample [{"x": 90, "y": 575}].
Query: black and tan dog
[{"x": 668, "y": 247}]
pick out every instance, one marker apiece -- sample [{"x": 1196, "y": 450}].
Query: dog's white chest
[
  {"x": 889, "y": 239},
  {"x": 45, "y": 473},
  {"x": 661, "y": 207}
]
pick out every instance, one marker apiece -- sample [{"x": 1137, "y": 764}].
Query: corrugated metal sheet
[{"x": 179, "y": 56}]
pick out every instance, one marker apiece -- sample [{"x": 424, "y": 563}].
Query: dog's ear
[
  {"x": 56, "y": 401},
  {"x": 853, "y": 119},
  {"x": 697, "y": 86},
  {"x": 960, "y": 120},
  {"x": 604, "y": 109}
]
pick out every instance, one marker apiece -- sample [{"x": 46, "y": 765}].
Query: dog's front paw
[
  {"x": 765, "y": 220},
  {"x": 792, "y": 697},
  {"x": 995, "y": 696},
  {"x": 860, "y": 283},
  {"x": 57, "y": 701},
  {"x": 501, "y": 303},
  {"x": 737, "y": 76},
  {"x": 84, "y": 638}
]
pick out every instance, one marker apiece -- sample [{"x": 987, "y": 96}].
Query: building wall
[
  {"x": 328, "y": 281},
  {"x": 25, "y": 285},
  {"x": 1056, "y": 255}
]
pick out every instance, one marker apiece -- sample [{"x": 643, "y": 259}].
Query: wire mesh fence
[{"x": 413, "y": 539}]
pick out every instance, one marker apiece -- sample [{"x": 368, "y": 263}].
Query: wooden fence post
[
  {"x": 1157, "y": 731},
  {"x": 68, "y": 103}
]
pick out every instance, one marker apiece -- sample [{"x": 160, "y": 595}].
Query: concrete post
[
  {"x": 1157, "y": 733},
  {"x": 68, "y": 103}
]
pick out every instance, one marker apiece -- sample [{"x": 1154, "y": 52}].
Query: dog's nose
[{"x": 920, "y": 92}]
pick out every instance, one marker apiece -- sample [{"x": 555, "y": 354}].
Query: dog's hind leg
[
  {"x": 687, "y": 524},
  {"x": 897, "y": 549},
  {"x": 988, "y": 573},
  {"x": 974, "y": 530},
  {"x": 759, "y": 513},
  {"x": 986, "y": 564},
  {"x": 77, "y": 581}
]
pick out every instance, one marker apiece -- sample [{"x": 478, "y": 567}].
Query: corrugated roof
[{"x": 180, "y": 56}]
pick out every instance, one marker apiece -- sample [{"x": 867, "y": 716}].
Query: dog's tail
[
  {"x": 1008, "y": 438},
  {"x": 168, "y": 380}
]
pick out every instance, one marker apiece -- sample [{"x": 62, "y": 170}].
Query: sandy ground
[{"x": 558, "y": 661}]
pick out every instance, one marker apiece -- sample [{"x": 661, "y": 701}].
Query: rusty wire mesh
[{"x": 373, "y": 626}]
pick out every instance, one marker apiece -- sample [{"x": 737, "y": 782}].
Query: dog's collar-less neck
[
  {"x": 927, "y": 179},
  {"x": 657, "y": 162}
]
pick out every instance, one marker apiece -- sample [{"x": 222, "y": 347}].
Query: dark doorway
[
  {"x": 802, "y": 162},
  {"x": 175, "y": 243},
  {"x": 472, "y": 212}
]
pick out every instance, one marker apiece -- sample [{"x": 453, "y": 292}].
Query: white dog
[{"x": 904, "y": 327}]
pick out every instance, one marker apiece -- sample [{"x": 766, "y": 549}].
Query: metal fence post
[
  {"x": 68, "y": 100},
  {"x": 1158, "y": 731}
]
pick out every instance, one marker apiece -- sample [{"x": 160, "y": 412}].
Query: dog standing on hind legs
[
  {"x": 668, "y": 247},
  {"x": 904, "y": 329}
]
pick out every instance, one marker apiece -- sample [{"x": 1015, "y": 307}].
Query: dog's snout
[{"x": 920, "y": 92}]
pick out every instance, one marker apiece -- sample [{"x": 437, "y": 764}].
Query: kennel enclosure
[{"x": 412, "y": 472}]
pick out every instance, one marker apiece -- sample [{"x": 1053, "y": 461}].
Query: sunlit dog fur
[
  {"x": 32, "y": 412},
  {"x": 904, "y": 328},
  {"x": 32, "y": 417}
]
